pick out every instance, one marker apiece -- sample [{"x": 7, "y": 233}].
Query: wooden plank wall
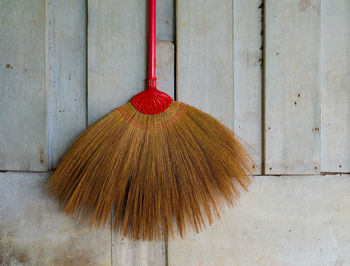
[
  {"x": 247, "y": 75},
  {"x": 47, "y": 100},
  {"x": 64, "y": 64},
  {"x": 292, "y": 87},
  {"x": 23, "y": 108},
  {"x": 217, "y": 70},
  {"x": 43, "y": 108},
  {"x": 335, "y": 86},
  {"x": 307, "y": 87},
  {"x": 300, "y": 218},
  {"x": 66, "y": 74}
]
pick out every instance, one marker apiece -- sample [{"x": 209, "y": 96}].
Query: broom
[{"x": 156, "y": 164}]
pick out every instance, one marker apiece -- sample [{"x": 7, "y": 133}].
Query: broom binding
[{"x": 151, "y": 83}]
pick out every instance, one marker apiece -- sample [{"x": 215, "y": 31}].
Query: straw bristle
[{"x": 156, "y": 173}]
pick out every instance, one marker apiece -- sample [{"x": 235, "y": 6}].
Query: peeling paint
[
  {"x": 304, "y": 4},
  {"x": 8, "y": 66}
]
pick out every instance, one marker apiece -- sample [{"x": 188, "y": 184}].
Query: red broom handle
[{"x": 152, "y": 80}]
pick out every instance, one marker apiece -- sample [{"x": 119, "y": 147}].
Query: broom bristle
[{"x": 156, "y": 173}]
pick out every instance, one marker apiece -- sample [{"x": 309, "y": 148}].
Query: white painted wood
[
  {"x": 335, "y": 86},
  {"x": 23, "y": 131},
  {"x": 33, "y": 231},
  {"x": 116, "y": 54},
  {"x": 43, "y": 93},
  {"x": 165, "y": 20},
  {"x": 247, "y": 74},
  {"x": 204, "y": 56},
  {"x": 166, "y": 67},
  {"x": 116, "y": 72},
  {"x": 292, "y": 78},
  {"x": 66, "y": 39},
  {"x": 218, "y": 68},
  {"x": 287, "y": 220}
]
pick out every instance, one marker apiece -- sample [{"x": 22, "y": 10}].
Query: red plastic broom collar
[{"x": 151, "y": 101}]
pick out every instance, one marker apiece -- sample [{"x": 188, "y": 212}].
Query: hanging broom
[{"x": 157, "y": 164}]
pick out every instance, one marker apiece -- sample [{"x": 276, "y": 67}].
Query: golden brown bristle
[{"x": 156, "y": 173}]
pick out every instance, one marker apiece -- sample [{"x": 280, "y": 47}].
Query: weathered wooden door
[{"x": 276, "y": 72}]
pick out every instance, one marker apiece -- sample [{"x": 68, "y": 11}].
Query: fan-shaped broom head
[
  {"x": 156, "y": 164},
  {"x": 155, "y": 172}
]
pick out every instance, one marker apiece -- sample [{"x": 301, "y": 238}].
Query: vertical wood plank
[
  {"x": 66, "y": 74},
  {"x": 166, "y": 67},
  {"x": 116, "y": 72},
  {"x": 247, "y": 74},
  {"x": 116, "y": 54},
  {"x": 23, "y": 110},
  {"x": 218, "y": 68},
  {"x": 204, "y": 58},
  {"x": 292, "y": 109},
  {"x": 335, "y": 86},
  {"x": 165, "y": 20}
]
